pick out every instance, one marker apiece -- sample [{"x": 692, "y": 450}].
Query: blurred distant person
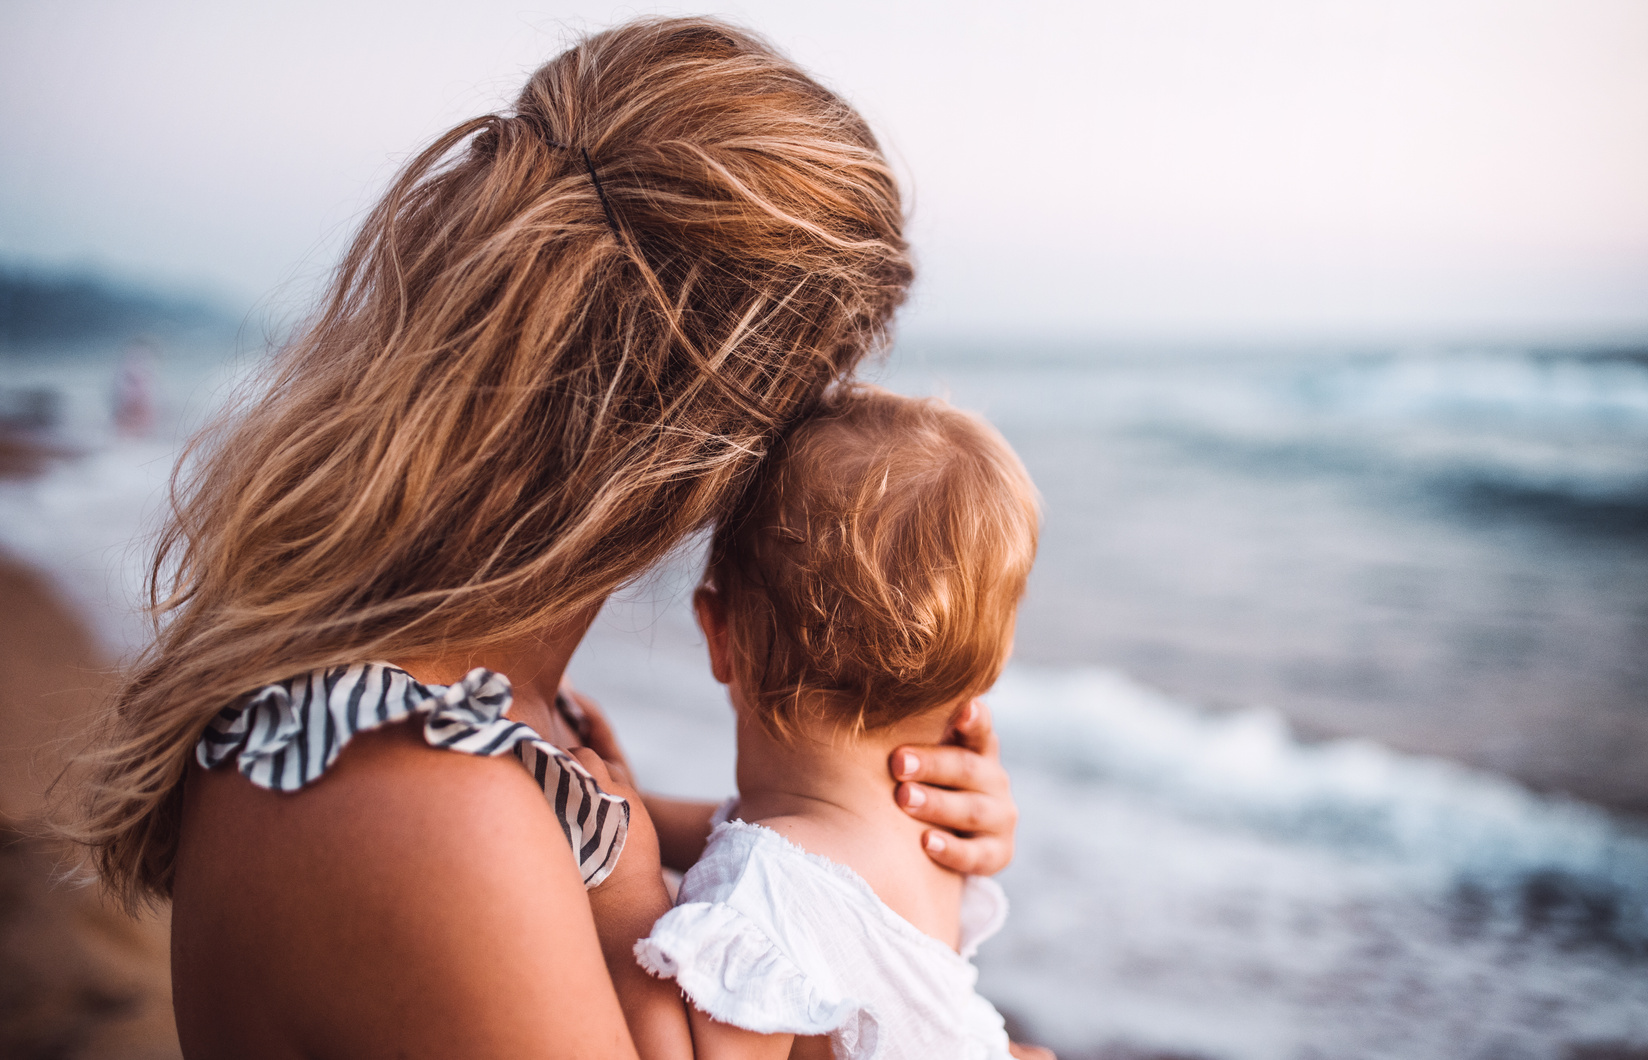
[{"x": 134, "y": 391}]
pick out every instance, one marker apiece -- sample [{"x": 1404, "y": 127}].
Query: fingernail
[
  {"x": 914, "y": 797},
  {"x": 908, "y": 764},
  {"x": 935, "y": 842}
]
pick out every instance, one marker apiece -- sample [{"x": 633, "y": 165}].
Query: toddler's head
[{"x": 874, "y": 570}]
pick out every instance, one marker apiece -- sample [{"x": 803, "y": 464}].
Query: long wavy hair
[{"x": 561, "y": 343}]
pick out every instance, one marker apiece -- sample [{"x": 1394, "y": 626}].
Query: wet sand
[{"x": 78, "y": 978}]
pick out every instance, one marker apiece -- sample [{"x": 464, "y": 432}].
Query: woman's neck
[{"x": 534, "y": 665}]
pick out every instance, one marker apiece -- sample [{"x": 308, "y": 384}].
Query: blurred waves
[{"x": 1327, "y": 715}]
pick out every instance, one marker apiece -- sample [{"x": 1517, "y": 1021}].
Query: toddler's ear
[
  {"x": 963, "y": 719},
  {"x": 711, "y": 609}
]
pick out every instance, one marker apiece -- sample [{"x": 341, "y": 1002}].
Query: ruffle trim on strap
[
  {"x": 288, "y": 734},
  {"x": 733, "y": 972},
  {"x": 983, "y": 913}
]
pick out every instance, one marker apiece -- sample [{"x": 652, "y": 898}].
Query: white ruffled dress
[{"x": 771, "y": 938}]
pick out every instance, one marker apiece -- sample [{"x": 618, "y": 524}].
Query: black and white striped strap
[{"x": 289, "y": 733}]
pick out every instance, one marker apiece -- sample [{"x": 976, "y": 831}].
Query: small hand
[
  {"x": 961, "y": 787},
  {"x": 1029, "y": 1052},
  {"x": 599, "y": 737}
]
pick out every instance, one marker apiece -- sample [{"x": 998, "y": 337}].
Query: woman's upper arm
[{"x": 411, "y": 903}]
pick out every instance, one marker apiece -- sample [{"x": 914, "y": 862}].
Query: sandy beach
[{"x": 78, "y": 978}]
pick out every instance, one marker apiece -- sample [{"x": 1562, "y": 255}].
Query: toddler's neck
[{"x": 832, "y": 795}]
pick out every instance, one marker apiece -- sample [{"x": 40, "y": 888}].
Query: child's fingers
[
  {"x": 979, "y": 856},
  {"x": 610, "y": 781},
  {"x": 592, "y": 762},
  {"x": 599, "y": 736},
  {"x": 601, "y": 739}
]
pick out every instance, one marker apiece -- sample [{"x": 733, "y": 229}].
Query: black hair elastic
[{"x": 606, "y": 207}]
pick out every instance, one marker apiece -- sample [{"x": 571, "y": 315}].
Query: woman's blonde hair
[
  {"x": 561, "y": 343},
  {"x": 875, "y": 568}
]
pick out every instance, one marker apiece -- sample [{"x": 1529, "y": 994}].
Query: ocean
[{"x": 1327, "y": 719}]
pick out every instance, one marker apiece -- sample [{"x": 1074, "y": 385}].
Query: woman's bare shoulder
[{"x": 412, "y": 902}]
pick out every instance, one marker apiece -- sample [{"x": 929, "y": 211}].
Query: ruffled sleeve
[
  {"x": 983, "y": 912},
  {"x": 288, "y": 734},
  {"x": 733, "y": 972}
]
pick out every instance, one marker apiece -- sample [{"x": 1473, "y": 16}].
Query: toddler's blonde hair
[{"x": 876, "y": 567}]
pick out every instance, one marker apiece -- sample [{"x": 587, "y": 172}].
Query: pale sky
[{"x": 1164, "y": 168}]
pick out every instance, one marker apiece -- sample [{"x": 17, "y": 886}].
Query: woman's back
[{"x": 344, "y": 922}]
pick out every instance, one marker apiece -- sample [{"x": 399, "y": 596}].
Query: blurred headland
[{"x": 44, "y": 309}]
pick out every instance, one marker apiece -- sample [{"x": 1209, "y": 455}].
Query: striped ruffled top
[{"x": 287, "y": 734}]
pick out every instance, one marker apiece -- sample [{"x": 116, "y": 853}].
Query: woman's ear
[{"x": 711, "y": 609}]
